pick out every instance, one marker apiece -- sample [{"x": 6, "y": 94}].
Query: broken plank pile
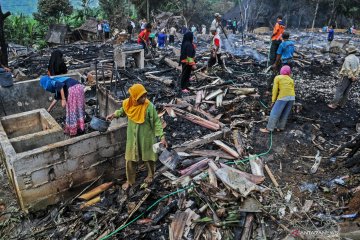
[{"x": 217, "y": 186}]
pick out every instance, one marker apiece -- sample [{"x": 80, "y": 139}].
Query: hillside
[{"x": 28, "y": 6}]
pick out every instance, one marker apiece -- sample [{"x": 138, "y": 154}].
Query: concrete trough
[{"x": 46, "y": 167}]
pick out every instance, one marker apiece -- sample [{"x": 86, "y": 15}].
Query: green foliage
[
  {"x": 52, "y": 11},
  {"x": 116, "y": 11},
  {"x": 78, "y": 17},
  {"x": 23, "y": 30}
]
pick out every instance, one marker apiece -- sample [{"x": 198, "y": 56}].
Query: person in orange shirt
[
  {"x": 276, "y": 38},
  {"x": 143, "y": 37}
]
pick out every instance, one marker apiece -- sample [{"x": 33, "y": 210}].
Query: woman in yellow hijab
[{"x": 144, "y": 126}]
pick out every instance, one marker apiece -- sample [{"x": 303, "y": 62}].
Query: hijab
[
  {"x": 285, "y": 70},
  {"x": 187, "y": 47},
  {"x": 57, "y": 65},
  {"x": 136, "y": 112}
]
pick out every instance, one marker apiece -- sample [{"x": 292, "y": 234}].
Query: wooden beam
[{"x": 202, "y": 141}]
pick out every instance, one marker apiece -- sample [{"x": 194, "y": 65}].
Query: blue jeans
[{"x": 279, "y": 115}]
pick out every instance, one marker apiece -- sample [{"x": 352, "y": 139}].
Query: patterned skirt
[{"x": 75, "y": 110}]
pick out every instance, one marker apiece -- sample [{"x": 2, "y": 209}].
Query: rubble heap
[{"x": 231, "y": 182}]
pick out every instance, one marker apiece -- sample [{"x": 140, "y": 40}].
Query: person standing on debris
[
  {"x": 152, "y": 39},
  {"x": 234, "y": 25},
  {"x": 276, "y": 38},
  {"x": 172, "y": 35},
  {"x": 349, "y": 72},
  {"x": 130, "y": 29},
  {"x": 331, "y": 33},
  {"x": 187, "y": 60},
  {"x": 353, "y": 30},
  {"x": 229, "y": 24},
  {"x": 143, "y": 37},
  {"x": 57, "y": 64},
  {"x": 144, "y": 126},
  {"x": 184, "y": 29},
  {"x": 162, "y": 37},
  {"x": 283, "y": 98},
  {"x": 194, "y": 31},
  {"x": 203, "y": 30},
  {"x": 215, "y": 56},
  {"x": 71, "y": 94},
  {"x": 143, "y": 24},
  {"x": 216, "y": 23},
  {"x": 106, "y": 27},
  {"x": 99, "y": 30},
  {"x": 285, "y": 52}
]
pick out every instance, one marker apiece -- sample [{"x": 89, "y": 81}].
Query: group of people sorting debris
[{"x": 144, "y": 126}]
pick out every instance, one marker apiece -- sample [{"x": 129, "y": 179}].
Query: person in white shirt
[
  {"x": 350, "y": 72},
  {"x": 143, "y": 24},
  {"x": 203, "y": 30},
  {"x": 99, "y": 30},
  {"x": 215, "y": 50},
  {"x": 194, "y": 31},
  {"x": 172, "y": 35},
  {"x": 216, "y": 23}
]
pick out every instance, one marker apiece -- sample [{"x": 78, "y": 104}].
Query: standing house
[{"x": 87, "y": 31}]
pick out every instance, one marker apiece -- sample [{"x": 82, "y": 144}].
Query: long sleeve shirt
[
  {"x": 350, "y": 67},
  {"x": 283, "y": 87},
  {"x": 141, "y": 137},
  {"x": 279, "y": 29}
]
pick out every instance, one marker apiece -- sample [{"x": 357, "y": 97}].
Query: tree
[
  {"x": 23, "y": 30},
  {"x": 315, "y": 14},
  {"x": 52, "y": 11},
  {"x": 116, "y": 11},
  {"x": 3, "y": 44}
]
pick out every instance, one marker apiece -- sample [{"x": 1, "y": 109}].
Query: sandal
[
  {"x": 332, "y": 106},
  {"x": 264, "y": 130}
]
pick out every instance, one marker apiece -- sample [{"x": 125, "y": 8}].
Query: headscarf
[
  {"x": 57, "y": 65},
  {"x": 285, "y": 70},
  {"x": 187, "y": 47},
  {"x": 136, "y": 112}
]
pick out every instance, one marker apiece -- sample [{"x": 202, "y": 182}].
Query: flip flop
[
  {"x": 264, "y": 130},
  {"x": 332, "y": 106}
]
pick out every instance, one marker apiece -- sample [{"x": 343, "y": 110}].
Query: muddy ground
[{"x": 314, "y": 128}]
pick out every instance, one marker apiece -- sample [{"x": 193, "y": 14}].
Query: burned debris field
[{"x": 231, "y": 180}]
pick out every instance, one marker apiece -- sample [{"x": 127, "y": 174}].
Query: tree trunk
[
  {"x": 332, "y": 15},
  {"x": 315, "y": 14},
  {"x": 246, "y": 17},
  {"x": 148, "y": 10},
  {"x": 3, "y": 44}
]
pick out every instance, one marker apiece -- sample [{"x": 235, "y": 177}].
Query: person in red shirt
[{"x": 143, "y": 37}]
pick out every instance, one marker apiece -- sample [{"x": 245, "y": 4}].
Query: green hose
[
  {"x": 142, "y": 214},
  {"x": 263, "y": 104},
  {"x": 256, "y": 155},
  {"x": 183, "y": 189}
]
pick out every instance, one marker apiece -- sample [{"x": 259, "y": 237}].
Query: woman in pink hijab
[{"x": 283, "y": 98}]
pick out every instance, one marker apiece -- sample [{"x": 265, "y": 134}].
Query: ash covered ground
[{"x": 312, "y": 128}]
